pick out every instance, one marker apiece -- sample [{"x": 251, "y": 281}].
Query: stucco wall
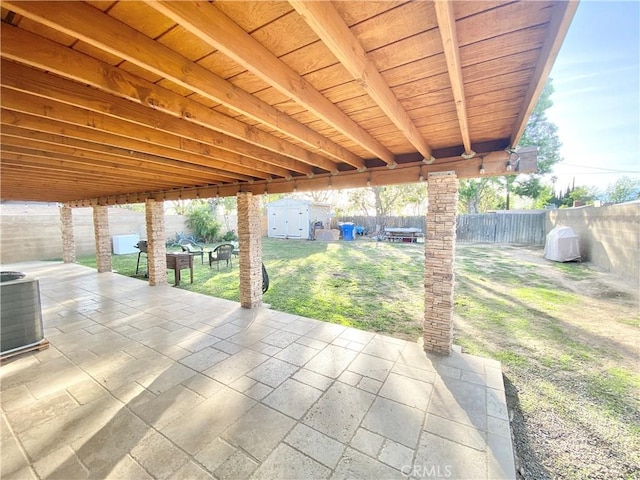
[
  {"x": 609, "y": 236},
  {"x": 32, "y": 232}
]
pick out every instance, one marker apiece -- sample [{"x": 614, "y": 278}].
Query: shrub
[
  {"x": 230, "y": 236},
  {"x": 201, "y": 221}
]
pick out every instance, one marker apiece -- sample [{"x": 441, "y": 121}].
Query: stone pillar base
[
  {"x": 68, "y": 240},
  {"x": 439, "y": 253},
  {"x": 103, "y": 240},
  {"x": 249, "y": 236},
  {"x": 156, "y": 248}
]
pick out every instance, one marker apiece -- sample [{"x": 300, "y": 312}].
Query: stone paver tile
[
  {"x": 500, "y": 462},
  {"x": 40, "y": 411},
  {"x": 395, "y": 421},
  {"x": 243, "y": 383},
  {"x": 369, "y": 385},
  {"x": 316, "y": 445},
  {"x": 191, "y": 471},
  {"x": 367, "y": 442},
  {"x": 350, "y": 378},
  {"x": 225, "y": 331},
  {"x": 297, "y": 354},
  {"x": 450, "y": 372},
  {"x": 293, "y": 398},
  {"x": 340, "y": 342},
  {"x": 494, "y": 378},
  {"x": 237, "y": 467},
  {"x": 407, "y": 390},
  {"x": 98, "y": 452},
  {"x": 259, "y": 391},
  {"x": 383, "y": 349},
  {"x": 459, "y": 401},
  {"x": 252, "y": 335},
  {"x": 55, "y": 380},
  {"x": 355, "y": 335},
  {"x": 416, "y": 373},
  {"x": 331, "y": 361},
  {"x": 498, "y": 426},
  {"x": 287, "y": 463},
  {"x": 355, "y": 346},
  {"x": 215, "y": 454},
  {"x": 396, "y": 455},
  {"x": 312, "y": 378},
  {"x": 272, "y": 372},
  {"x": 133, "y": 392},
  {"x": 81, "y": 356},
  {"x": 497, "y": 404},
  {"x": 203, "y": 385},
  {"x": 326, "y": 332},
  {"x": 370, "y": 366},
  {"x": 447, "y": 459},
  {"x": 24, "y": 473},
  {"x": 312, "y": 342},
  {"x": 356, "y": 465},
  {"x": 339, "y": 412},
  {"x": 85, "y": 420},
  {"x": 266, "y": 348},
  {"x": 16, "y": 398},
  {"x": 463, "y": 361},
  {"x": 124, "y": 468},
  {"x": 86, "y": 391},
  {"x": 158, "y": 455},
  {"x": 166, "y": 379},
  {"x": 61, "y": 464},
  {"x": 464, "y": 434},
  {"x": 228, "y": 347},
  {"x": 472, "y": 377},
  {"x": 414, "y": 355},
  {"x": 166, "y": 407},
  {"x": 207, "y": 420},
  {"x": 204, "y": 359},
  {"x": 13, "y": 460},
  {"x": 281, "y": 339},
  {"x": 235, "y": 366},
  {"x": 300, "y": 327},
  {"x": 258, "y": 431}
]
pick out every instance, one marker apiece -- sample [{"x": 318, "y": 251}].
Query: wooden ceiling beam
[
  {"x": 186, "y": 154},
  {"x": 561, "y": 17},
  {"x": 223, "y": 159},
  {"x": 98, "y": 159},
  {"x": 327, "y": 23},
  {"x": 28, "y": 48},
  {"x": 106, "y": 33},
  {"x": 34, "y": 82},
  {"x": 447, "y": 27},
  {"x": 212, "y": 26},
  {"x": 131, "y": 157}
]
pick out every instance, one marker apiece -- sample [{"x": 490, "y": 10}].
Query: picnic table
[{"x": 402, "y": 234}]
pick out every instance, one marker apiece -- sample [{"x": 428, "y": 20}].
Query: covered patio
[
  {"x": 156, "y": 382},
  {"x": 116, "y": 102}
]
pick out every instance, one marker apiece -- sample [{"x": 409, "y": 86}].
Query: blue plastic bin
[{"x": 347, "y": 231}]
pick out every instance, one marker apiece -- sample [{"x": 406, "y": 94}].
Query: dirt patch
[{"x": 568, "y": 336}]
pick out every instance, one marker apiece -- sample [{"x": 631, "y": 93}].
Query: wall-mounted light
[
  {"x": 482, "y": 170},
  {"x": 369, "y": 180},
  {"x": 295, "y": 186},
  {"x": 330, "y": 186},
  {"x": 514, "y": 160},
  {"x": 421, "y": 176}
]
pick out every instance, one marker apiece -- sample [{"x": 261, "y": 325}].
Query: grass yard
[{"x": 567, "y": 334}]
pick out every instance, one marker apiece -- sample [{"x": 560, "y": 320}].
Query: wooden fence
[{"x": 526, "y": 227}]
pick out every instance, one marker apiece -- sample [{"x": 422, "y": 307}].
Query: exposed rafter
[
  {"x": 447, "y": 27},
  {"x": 106, "y": 33},
  {"x": 209, "y": 24},
  {"x": 325, "y": 21}
]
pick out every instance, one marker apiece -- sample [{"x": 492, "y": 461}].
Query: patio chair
[
  {"x": 193, "y": 250},
  {"x": 220, "y": 253},
  {"x": 142, "y": 246}
]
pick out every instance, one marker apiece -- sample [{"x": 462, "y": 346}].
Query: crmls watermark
[{"x": 427, "y": 471}]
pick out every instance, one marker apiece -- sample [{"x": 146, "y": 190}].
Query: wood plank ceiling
[{"x": 118, "y": 101}]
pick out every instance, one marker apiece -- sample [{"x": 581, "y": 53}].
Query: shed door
[{"x": 294, "y": 221}]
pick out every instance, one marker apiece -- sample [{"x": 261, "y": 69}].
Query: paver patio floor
[{"x": 156, "y": 382}]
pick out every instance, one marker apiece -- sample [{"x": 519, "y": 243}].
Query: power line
[{"x": 599, "y": 168}]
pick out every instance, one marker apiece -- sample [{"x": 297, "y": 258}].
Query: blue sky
[{"x": 597, "y": 94}]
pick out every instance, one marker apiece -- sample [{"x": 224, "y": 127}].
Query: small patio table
[{"x": 179, "y": 261}]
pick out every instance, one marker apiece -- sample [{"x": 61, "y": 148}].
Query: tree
[
  {"x": 201, "y": 220},
  {"x": 542, "y": 133},
  {"x": 477, "y": 195},
  {"x": 625, "y": 189}
]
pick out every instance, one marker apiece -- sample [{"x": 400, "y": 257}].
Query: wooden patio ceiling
[{"x": 118, "y": 101}]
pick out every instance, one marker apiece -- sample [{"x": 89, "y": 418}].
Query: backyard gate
[{"x": 293, "y": 218}]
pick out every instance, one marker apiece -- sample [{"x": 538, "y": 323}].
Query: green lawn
[{"x": 567, "y": 339}]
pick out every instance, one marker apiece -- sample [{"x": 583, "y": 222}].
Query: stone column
[
  {"x": 68, "y": 241},
  {"x": 103, "y": 239},
  {"x": 439, "y": 253},
  {"x": 156, "y": 248},
  {"x": 249, "y": 235}
]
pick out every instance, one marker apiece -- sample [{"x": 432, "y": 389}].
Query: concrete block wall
[
  {"x": 33, "y": 231},
  {"x": 609, "y": 236}
]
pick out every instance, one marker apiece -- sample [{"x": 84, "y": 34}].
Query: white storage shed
[{"x": 294, "y": 218}]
